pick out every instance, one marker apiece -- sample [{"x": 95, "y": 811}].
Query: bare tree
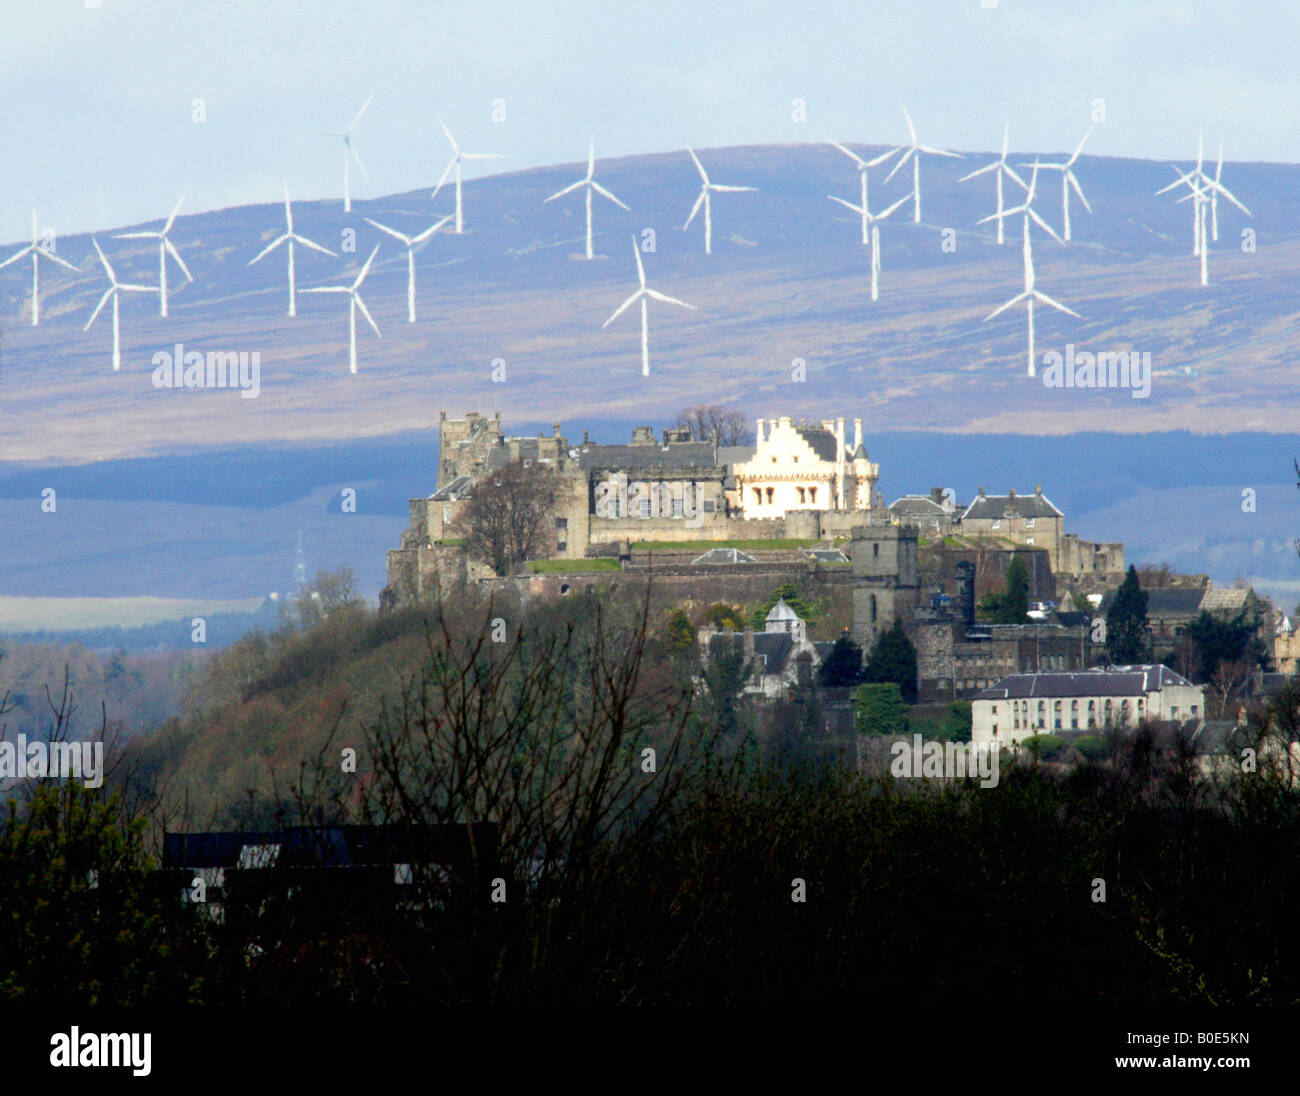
[
  {"x": 508, "y": 518},
  {"x": 704, "y": 419}
]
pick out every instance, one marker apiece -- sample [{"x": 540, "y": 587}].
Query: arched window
[
  {"x": 1042, "y": 714},
  {"x": 1142, "y": 709},
  {"x": 1110, "y": 713},
  {"x": 758, "y": 496},
  {"x": 801, "y": 495},
  {"x": 812, "y": 494},
  {"x": 770, "y": 492},
  {"x": 1092, "y": 713},
  {"x": 1074, "y": 715},
  {"x": 1056, "y": 716}
]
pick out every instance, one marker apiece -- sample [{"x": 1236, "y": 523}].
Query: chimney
[
  {"x": 839, "y": 432},
  {"x": 857, "y": 434},
  {"x": 759, "y": 437},
  {"x": 556, "y": 427},
  {"x": 1011, "y": 493},
  {"x": 1038, "y": 490},
  {"x": 981, "y": 492},
  {"x": 585, "y": 440},
  {"x": 936, "y": 495}
]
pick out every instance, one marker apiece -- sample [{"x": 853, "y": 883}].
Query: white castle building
[{"x": 797, "y": 466}]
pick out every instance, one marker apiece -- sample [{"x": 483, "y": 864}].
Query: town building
[
  {"x": 1118, "y": 697},
  {"x": 797, "y": 466},
  {"x": 778, "y": 658}
]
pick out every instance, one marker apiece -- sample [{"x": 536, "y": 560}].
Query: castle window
[
  {"x": 812, "y": 494},
  {"x": 770, "y": 492},
  {"x": 801, "y": 495},
  {"x": 873, "y": 608},
  {"x": 758, "y": 496},
  {"x": 796, "y": 460},
  {"x": 875, "y": 550},
  {"x": 1042, "y": 715},
  {"x": 1056, "y": 716},
  {"x": 1092, "y": 713},
  {"x": 1074, "y": 715},
  {"x": 561, "y": 523}
]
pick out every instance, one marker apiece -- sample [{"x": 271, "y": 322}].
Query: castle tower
[{"x": 886, "y": 584}]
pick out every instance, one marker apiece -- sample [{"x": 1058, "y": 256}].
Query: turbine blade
[
  {"x": 850, "y": 154},
  {"x": 54, "y": 258},
  {"x": 99, "y": 307},
  {"x": 730, "y": 189},
  {"x": 567, "y": 190},
  {"x": 886, "y": 213},
  {"x": 366, "y": 312},
  {"x": 699, "y": 166},
  {"x": 271, "y": 247},
  {"x": 991, "y": 167},
  {"x": 365, "y": 269},
  {"x": 482, "y": 155},
  {"x": 939, "y": 152},
  {"x": 136, "y": 235},
  {"x": 623, "y": 307},
  {"x": 108, "y": 269},
  {"x": 170, "y": 220},
  {"x": 171, "y": 250},
  {"x": 849, "y": 205},
  {"x": 431, "y": 230},
  {"x": 364, "y": 108},
  {"x": 391, "y": 231},
  {"x": 450, "y": 139},
  {"x": 695, "y": 208},
  {"x": 307, "y": 243},
  {"x": 669, "y": 300},
  {"x": 1055, "y": 304},
  {"x": 1070, "y": 161},
  {"x": 591, "y": 159},
  {"x": 1044, "y": 225},
  {"x": 907, "y": 155},
  {"x": 1074, "y": 183},
  {"x": 606, "y": 194},
  {"x": 882, "y": 157},
  {"x": 445, "y": 172},
  {"x": 1002, "y": 308},
  {"x": 14, "y": 258},
  {"x": 357, "y": 156}
]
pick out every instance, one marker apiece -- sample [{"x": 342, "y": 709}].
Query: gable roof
[
  {"x": 995, "y": 507},
  {"x": 724, "y": 555},
  {"x": 820, "y": 441},
  {"x": 1165, "y": 600},
  {"x": 918, "y": 506},
  {"x": 781, "y": 611},
  {"x": 1110, "y": 681}
]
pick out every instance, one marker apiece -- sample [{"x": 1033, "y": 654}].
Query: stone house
[{"x": 779, "y": 657}]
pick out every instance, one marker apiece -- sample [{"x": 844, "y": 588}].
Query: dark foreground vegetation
[{"x": 656, "y": 843}]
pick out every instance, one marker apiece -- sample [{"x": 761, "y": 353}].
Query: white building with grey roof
[{"x": 1118, "y": 697}]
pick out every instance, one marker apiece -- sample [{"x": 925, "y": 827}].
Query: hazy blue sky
[{"x": 95, "y": 102}]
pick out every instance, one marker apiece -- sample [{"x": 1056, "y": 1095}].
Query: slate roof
[
  {"x": 1226, "y": 598},
  {"x": 822, "y": 442},
  {"x": 1165, "y": 601},
  {"x": 775, "y": 647},
  {"x": 682, "y": 455},
  {"x": 781, "y": 612},
  {"x": 917, "y": 506},
  {"x": 456, "y": 489},
  {"x": 1115, "y": 681},
  {"x": 995, "y": 507},
  {"x": 826, "y": 555},
  {"x": 724, "y": 555},
  {"x": 735, "y": 454}
]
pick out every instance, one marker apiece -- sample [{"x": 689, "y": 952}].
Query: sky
[{"x": 110, "y": 109}]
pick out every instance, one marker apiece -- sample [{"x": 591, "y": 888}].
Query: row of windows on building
[
  {"x": 806, "y": 495},
  {"x": 1024, "y": 714}
]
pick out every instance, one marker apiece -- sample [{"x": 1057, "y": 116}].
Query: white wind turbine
[
  {"x": 1003, "y": 170},
  {"x": 642, "y": 294},
  {"x": 165, "y": 248},
  {"x": 291, "y": 238},
  {"x": 913, "y": 152},
  {"x": 863, "y": 166},
  {"x": 350, "y": 154},
  {"x": 1030, "y": 294},
  {"x": 705, "y": 188},
  {"x": 410, "y": 242},
  {"x": 1068, "y": 180},
  {"x": 872, "y": 220},
  {"x": 354, "y": 302},
  {"x": 456, "y": 159},
  {"x": 37, "y": 251},
  {"x": 590, "y": 183},
  {"x": 114, "y": 289},
  {"x": 1195, "y": 180}
]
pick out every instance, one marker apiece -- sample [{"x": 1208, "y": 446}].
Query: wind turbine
[
  {"x": 354, "y": 302},
  {"x": 349, "y": 154},
  {"x": 1068, "y": 180},
  {"x": 165, "y": 248},
  {"x": 115, "y": 287},
  {"x": 292, "y": 238},
  {"x": 1212, "y": 188},
  {"x": 642, "y": 294},
  {"x": 863, "y": 165},
  {"x": 590, "y": 183},
  {"x": 1002, "y": 169},
  {"x": 705, "y": 188},
  {"x": 410, "y": 242},
  {"x": 456, "y": 158},
  {"x": 1030, "y": 294},
  {"x": 872, "y": 220},
  {"x": 913, "y": 152},
  {"x": 37, "y": 252}
]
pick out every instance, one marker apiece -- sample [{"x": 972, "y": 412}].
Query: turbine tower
[
  {"x": 873, "y": 220},
  {"x": 1068, "y": 180},
  {"x": 350, "y": 154},
  {"x": 1031, "y": 293},
  {"x": 115, "y": 288},
  {"x": 410, "y": 242},
  {"x": 863, "y": 166},
  {"x": 354, "y": 302},
  {"x": 913, "y": 152},
  {"x": 165, "y": 248},
  {"x": 590, "y": 183},
  {"x": 705, "y": 188},
  {"x": 457, "y": 157},
  {"x": 291, "y": 238},
  {"x": 37, "y": 252},
  {"x": 642, "y": 294},
  {"x": 1003, "y": 170}
]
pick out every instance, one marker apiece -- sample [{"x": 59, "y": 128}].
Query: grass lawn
[{"x": 547, "y": 566}]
